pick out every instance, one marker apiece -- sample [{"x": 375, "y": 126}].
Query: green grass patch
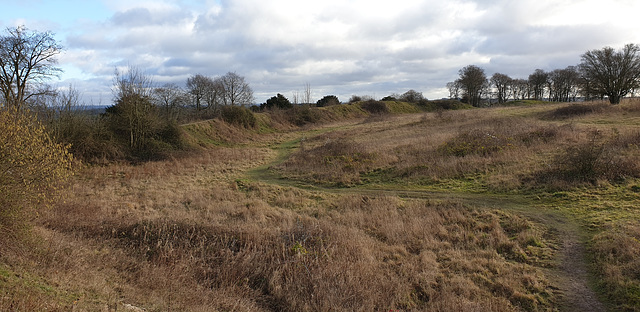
[
  {"x": 22, "y": 291},
  {"x": 344, "y": 111},
  {"x": 396, "y": 107}
]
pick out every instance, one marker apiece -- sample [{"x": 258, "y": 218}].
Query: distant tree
[
  {"x": 27, "y": 58},
  {"x": 214, "y": 94},
  {"x": 132, "y": 81},
  {"x": 412, "y": 96},
  {"x": 454, "y": 89},
  {"x": 306, "y": 96},
  {"x": 538, "y": 82},
  {"x": 519, "y": 89},
  {"x": 473, "y": 83},
  {"x": 170, "y": 97},
  {"x": 235, "y": 91},
  {"x": 200, "y": 87},
  {"x": 502, "y": 83},
  {"x": 134, "y": 119},
  {"x": 611, "y": 73},
  {"x": 278, "y": 101},
  {"x": 328, "y": 100},
  {"x": 61, "y": 109},
  {"x": 296, "y": 97},
  {"x": 563, "y": 84}
]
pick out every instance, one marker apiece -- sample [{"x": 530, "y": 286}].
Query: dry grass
[
  {"x": 192, "y": 234},
  {"x": 617, "y": 253},
  {"x": 509, "y": 151},
  {"x": 186, "y": 234}
]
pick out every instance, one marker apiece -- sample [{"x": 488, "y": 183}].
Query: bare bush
[
  {"x": 375, "y": 107},
  {"x": 596, "y": 160}
]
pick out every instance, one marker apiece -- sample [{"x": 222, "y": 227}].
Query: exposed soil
[{"x": 572, "y": 277}]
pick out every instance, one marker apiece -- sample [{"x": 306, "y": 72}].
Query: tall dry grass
[
  {"x": 508, "y": 151},
  {"x": 187, "y": 235},
  {"x": 192, "y": 234},
  {"x": 617, "y": 254}
]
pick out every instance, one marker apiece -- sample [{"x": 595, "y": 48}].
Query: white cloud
[{"x": 343, "y": 47}]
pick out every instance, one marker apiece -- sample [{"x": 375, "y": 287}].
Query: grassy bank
[{"x": 381, "y": 207}]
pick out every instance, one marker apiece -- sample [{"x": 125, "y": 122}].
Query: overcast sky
[{"x": 341, "y": 47}]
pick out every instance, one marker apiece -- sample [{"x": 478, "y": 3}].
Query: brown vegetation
[
  {"x": 192, "y": 233},
  {"x": 184, "y": 235},
  {"x": 509, "y": 152}
]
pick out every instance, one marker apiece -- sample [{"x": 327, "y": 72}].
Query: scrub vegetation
[
  {"x": 401, "y": 204},
  {"x": 368, "y": 206}
]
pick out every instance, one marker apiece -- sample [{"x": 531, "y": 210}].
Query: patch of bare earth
[{"x": 572, "y": 277}]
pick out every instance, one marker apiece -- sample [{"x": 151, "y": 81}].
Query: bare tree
[
  {"x": 502, "y": 83},
  {"x": 27, "y": 58},
  {"x": 563, "y": 84},
  {"x": 454, "y": 89},
  {"x": 214, "y": 94},
  {"x": 197, "y": 86},
  {"x": 611, "y": 73},
  {"x": 133, "y": 116},
  {"x": 473, "y": 83},
  {"x": 519, "y": 89},
  {"x": 296, "y": 97},
  {"x": 132, "y": 81},
  {"x": 171, "y": 98},
  {"x": 235, "y": 91},
  {"x": 307, "y": 94}
]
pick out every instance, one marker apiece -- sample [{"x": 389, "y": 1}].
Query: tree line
[
  {"x": 604, "y": 73},
  {"x": 144, "y": 117}
]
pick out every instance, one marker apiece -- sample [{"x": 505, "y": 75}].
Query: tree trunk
[{"x": 614, "y": 99}]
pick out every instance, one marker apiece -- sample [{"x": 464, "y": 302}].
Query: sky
[{"x": 338, "y": 47}]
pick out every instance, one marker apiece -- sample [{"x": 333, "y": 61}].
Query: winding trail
[{"x": 569, "y": 274}]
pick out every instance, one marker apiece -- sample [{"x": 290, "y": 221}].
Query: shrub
[
  {"x": 303, "y": 115},
  {"x": 88, "y": 136},
  {"x": 328, "y": 100},
  {"x": 32, "y": 168},
  {"x": 239, "y": 116},
  {"x": 375, "y": 107},
  {"x": 278, "y": 101},
  {"x": 355, "y": 99},
  {"x": 134, "y": 120},
  {"x": 436, "y": 105},
  {"x": 590, "y": 162}
]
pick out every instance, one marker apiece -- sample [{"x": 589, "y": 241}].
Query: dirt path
[
  {"x": 569, "y": 274},
  {"x": 572, "y": 276}
]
